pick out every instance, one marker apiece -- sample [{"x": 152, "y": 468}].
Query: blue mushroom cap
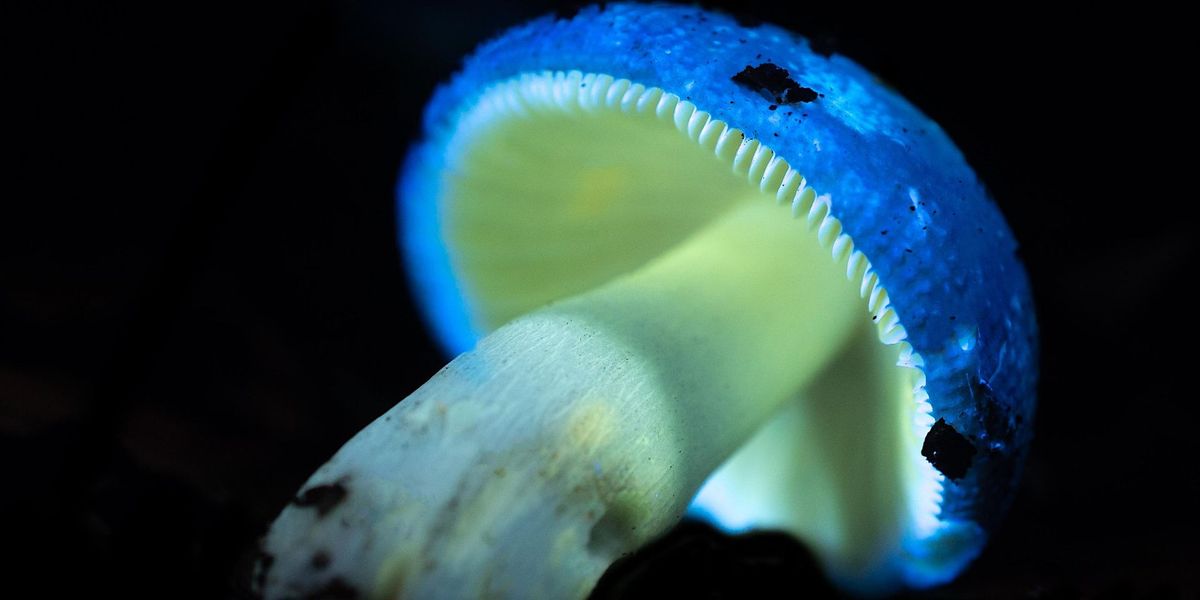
[{"x": 901, "y": 188}]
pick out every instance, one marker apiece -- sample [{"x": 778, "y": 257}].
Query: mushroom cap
[{"x": 902, "y": 190}]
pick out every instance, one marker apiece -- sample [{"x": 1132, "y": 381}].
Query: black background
[{"x": 201, "y": 298}]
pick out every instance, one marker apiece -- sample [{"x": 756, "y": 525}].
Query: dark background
[{"x": 201, "y": 298}]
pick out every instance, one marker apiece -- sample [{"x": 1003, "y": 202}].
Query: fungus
[{"x": 658, "y": 286}]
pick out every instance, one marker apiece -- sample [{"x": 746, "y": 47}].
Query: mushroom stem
[{"x": 577, "y": 432}]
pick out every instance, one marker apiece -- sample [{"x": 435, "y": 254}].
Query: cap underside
[{"x": 556, "y": 183}]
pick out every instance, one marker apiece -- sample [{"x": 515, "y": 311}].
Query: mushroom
[{"x": 680, "y": 254}]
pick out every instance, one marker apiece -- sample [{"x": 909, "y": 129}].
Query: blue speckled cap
[{"x": 901, "y": 188}]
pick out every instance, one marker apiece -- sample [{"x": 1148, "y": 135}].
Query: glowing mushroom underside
[{"x": 701, "y": 239}]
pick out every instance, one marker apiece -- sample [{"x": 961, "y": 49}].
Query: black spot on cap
[
  {"x": 322, "y": 497},
  {"x": 336, "y": 589},
  {"x": 774, "y": 83},
  {"x": 947, "y": 450}
]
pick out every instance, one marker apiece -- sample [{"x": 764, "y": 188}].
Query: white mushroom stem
[{"x": 574, "y": 434}]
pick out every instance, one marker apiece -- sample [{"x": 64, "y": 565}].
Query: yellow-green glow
[
  {"x": 553, "y": 203},
  {"x": 830, "y": 466},
  {"x": 549, "y": 207},
  {"x": 725, "y": 371}
]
